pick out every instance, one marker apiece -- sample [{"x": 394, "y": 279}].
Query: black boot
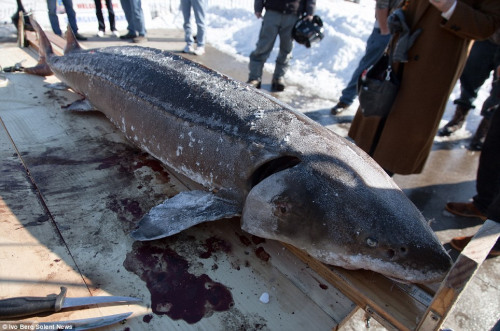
[
  {"x": 339, "y": 107},
  {"x": 456, "y": 122},
  {"x": 477, "y": 141},
  {"x": 278, "y": 85}
]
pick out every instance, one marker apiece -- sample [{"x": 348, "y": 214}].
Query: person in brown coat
[{"x": 402, "y": 142}]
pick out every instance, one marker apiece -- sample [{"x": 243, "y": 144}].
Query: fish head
[{"x": 342, "y": 217}]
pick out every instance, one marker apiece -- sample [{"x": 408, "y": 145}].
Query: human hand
[
  {"x": 258, "y": 14},
  {"x": 442, "y": 5},
  {"x": 309, "y": 18}
]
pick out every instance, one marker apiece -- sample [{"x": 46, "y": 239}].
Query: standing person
[
  {"x": 135, "y": 19},
  {"x": 375, "y": 46},
  {"x": 484, "y": 57},
  {"x": 70, "y": 12},
  {"x": 486, "y": 203},
  {"x": 100, "y": 18},
  {"x": 15, "y": 17},
  {"x": 199, "y": 8},
  {"x": 279, "y": 19},
  {"x": 402, "y": 141}
]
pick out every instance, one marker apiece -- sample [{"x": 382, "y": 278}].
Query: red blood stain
[
  {"x": 174, "y": 291},
  {"x": 244, "y": 240},
  {"x": 214, "y": 244},
  {"x": 262, "y": 254},
  {"x": 124, "y": 207},
  {"x": 258, "y": 240}
]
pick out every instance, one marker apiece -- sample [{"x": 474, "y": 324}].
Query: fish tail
[{"x": 44, "y": 51}]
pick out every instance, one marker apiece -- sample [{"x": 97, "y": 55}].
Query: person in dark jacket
[
  {"x": 279, "y": 19},
  {"x": 486, "y": 203},
  {"x": 484, "y": 57}
]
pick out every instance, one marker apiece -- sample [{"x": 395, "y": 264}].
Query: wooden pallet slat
[
  {"x": 464, "y": 268},
  {"x": 400, "y": 307}
]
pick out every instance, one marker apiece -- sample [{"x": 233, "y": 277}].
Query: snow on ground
[{"x": 321, "y": 71}]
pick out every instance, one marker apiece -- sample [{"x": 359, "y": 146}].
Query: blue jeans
[
  {"x": 199, "y": 14},
  {"x": 134, "y": 15},
  {"x": 375, "y": 46},
  {"x": 70, "y": 12},
  {"x": 483, "y": 58},
  {"x": 273, "y": 24},
  {"x": 127, "y": 10}
]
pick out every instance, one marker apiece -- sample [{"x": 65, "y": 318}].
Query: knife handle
[{"x": 26, "y": 306}]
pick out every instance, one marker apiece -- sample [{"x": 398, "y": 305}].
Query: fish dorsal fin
[
  {"x": 71, "y": 42},
  {"x": 183, "y": 211}
]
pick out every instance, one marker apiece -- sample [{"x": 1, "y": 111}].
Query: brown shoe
[
  {"x": 139, "y": 39},
  {"x": 459, "y": 244},
  {"x": 465, "y": 209},
  {"x": 254, "y": 82}
]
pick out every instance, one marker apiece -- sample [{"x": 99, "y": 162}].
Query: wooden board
[
  {"x": 396, "y": 306},
  {"x": 93, "y": 186}
]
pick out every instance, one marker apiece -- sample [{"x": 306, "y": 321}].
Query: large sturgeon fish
[{"x": 288, "y": 177}]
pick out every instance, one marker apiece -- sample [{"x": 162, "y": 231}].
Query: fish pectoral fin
[
  {"x": 58, "y": 86},
  {"x": 80, "y": 105},
  {"x": 41, "y": 69},
  {"x": 183, "y": 211}
]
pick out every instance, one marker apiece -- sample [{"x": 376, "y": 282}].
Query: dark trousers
[
  {"x": 487, "y": 198},
  {"x": 484, "y": 57},
  {"x": 100, "y": 17}
]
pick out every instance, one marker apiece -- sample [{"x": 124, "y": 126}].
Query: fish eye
[
  {"x": 371, "y": 242},
  {"x": 281, "y": 207}
]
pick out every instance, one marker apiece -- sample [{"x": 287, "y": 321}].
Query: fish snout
[
  {"x": 397, "y": 252},
  {"x": 388, "y": 251},
  {"x": 419, "y": 262}
]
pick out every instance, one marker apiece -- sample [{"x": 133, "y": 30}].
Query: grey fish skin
[{"x": 288, "y": 177}]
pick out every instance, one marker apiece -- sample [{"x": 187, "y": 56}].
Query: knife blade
[
  {"x": 74, "y": 325},
  {"x": 26, "y": 306},
  {"x": 84, "y": 324}
]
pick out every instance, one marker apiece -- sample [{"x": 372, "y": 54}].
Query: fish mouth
[
  {"x": 399, "y": 280},
  {"x": 425, "y": 280},
  {"x": 402, "y": 272},
  {"x": 405, "y": 275}
]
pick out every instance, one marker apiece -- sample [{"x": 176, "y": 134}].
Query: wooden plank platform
[
  {"x": 73, "y": 188},
  {"x": 94, "y": 185}
]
